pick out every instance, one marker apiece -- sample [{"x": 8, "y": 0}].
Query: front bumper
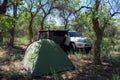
[{"x": 82, "y": 45}]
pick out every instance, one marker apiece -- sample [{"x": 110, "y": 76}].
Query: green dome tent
[{"x": 44, "y": 56}]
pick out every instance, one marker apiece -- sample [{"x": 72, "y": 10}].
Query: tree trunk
[
  {"x": 99, "y": 36},
  {"x": 1, "y": 37},
  {"x": 66, "y": 22},
  {"x": 98, "y": 33},
  {"x": 2, "y": 12},
  {"x": 30, "y": 30},
  {"x": 12, "y": 31},
  {"x": 97, "y": 50},
  {"x": 42, "y": 22},
  {"x": 3, "y": 7}
]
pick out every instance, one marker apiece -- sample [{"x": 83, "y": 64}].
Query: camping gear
[{"x": 44, "y": 57}]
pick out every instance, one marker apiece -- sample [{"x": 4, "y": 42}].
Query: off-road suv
[{"x": 78, "y": 41}]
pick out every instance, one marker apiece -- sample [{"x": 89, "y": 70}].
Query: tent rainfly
[{"x": 45, "y": 56}]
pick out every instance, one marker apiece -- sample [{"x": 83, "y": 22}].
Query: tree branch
[
  {"x": 39, "y": 7},
  {"x": 115, "y": 13},
  {"x": 82, "y": 8},
  {"x": 43, "y": 10}
]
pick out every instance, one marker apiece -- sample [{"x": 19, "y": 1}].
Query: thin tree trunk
[
  {"x": 42, "y": 22},
  {"x": 2, "y": 12},
  {"x": 1, "y": 37},
  {"x": 30, "y": 30},
  {"x": 12, "y": 31},
  {"x": 66, "y": 22}
]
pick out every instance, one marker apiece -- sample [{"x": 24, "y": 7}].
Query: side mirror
[{"x": 66, "y": 35}]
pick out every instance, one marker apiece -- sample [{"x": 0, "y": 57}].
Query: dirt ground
[{"x": 11, "y": 67}]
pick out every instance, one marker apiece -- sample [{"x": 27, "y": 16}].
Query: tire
[
  {"x": 87, "y": 50},
  {"x": 72, "y": 47}
]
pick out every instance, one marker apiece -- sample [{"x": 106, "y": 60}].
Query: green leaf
[{"x": 6, "y": 22}]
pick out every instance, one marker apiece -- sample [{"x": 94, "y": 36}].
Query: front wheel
[
  {"x": 72, "y": 47},
  {"x": 87, "y": 50}
]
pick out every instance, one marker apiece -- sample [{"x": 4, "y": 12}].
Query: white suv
[{"x": 78, "y": 41}]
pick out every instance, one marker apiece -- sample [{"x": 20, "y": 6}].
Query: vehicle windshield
[{"x": 75, "y": 34}]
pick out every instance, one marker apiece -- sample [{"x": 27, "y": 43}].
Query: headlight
[{"x": 87, "y": 41}]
